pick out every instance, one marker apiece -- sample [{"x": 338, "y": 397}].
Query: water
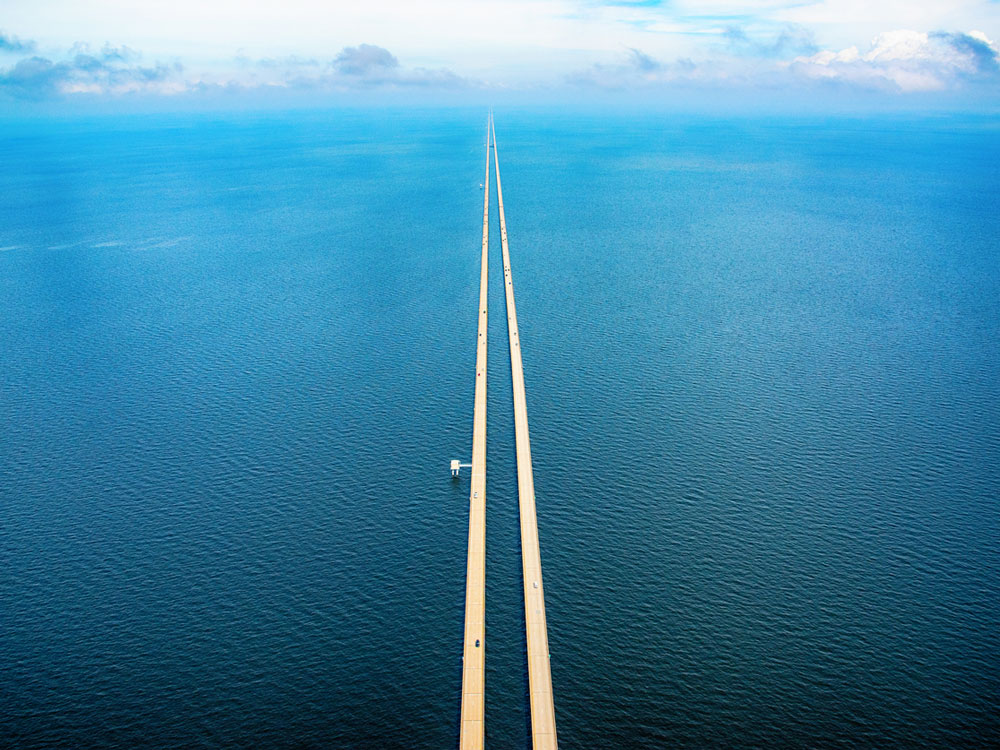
[{"x": 763, "y": 370}]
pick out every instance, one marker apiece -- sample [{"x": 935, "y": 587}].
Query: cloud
[
  {"x": 896, "y": 62},
  {"x": 115, "y": 54},
  {"x": 11, "y": 43},
  {"x": 33, "y": 78},
  {"x": 643, "y": 62},
  {"x": 287, "y": 62},
  {"x": 371, "y": 66},
  {"x": 110, "y": 70},
  {"x": 635, "y": 69},
  {"x": 117, "y": 70},
  {"x": 791, "y": 40},
  {"x": 365, "y": 60},
  {"x": 907, "y": 61},
  {"x": 974, "y": 46},
  {"x": 364, "y": 67},
  {"x": 433, "y": 78}
]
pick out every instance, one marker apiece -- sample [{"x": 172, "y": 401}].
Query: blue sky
[{"x": 68, "y": 53}]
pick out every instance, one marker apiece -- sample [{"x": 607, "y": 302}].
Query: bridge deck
[
  {"x": 543, "y": 717},
  {"x": 474, "y": 650}
]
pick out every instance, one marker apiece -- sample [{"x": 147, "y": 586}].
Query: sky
[{"x": 68, "y": 54}]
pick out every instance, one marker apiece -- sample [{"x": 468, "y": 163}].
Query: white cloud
[
  {"x": 111, "y": 70},
  {"x": 513, "y": 45},
  {"x": 117, "y": 70},
  {"x": 635, "y": 69},
  {"x": 907, "y": 60}
]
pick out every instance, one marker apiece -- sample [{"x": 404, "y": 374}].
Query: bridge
[
  {"x": 543, "y": 721},
  {"x": 474, "y": 648}
]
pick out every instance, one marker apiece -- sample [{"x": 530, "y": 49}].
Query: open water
[{"x": 762, "y": 360}]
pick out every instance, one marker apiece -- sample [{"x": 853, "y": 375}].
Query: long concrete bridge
[
  {"x": 474, "y": 649},
  {"x": 543, "y": 721}
]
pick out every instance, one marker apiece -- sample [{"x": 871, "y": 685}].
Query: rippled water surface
[{"x": 763, "y": 370}]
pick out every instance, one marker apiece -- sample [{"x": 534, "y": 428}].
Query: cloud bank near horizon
[
  {"x": 909, "y": 61},
  {"x": 896, "y": 62},
  {"x": 116, "y": 71},
  {"x": 900, "y": 61},
  {"x": 481, "y": 49}
]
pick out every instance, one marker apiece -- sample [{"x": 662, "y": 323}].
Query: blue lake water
[{"x": 762, "y": 359}]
